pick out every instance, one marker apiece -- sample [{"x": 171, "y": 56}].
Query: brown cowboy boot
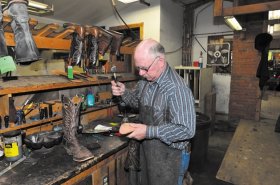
[
  {"x": 25, "y": 49},
  {"x": 3, "y": 46},
  {"x": 70, "y": 112}
]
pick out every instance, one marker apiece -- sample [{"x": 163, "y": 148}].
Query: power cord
[{"x": 134, "y": 36}]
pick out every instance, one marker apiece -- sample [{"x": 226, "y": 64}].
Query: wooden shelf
[
  {"x": 45, "y": 37},
  {"x": 31, "y": 124},
  {"x": 27, "y": 84},
  {"x": 50, "y": 36},
  {"x": 57, "y": 119}
]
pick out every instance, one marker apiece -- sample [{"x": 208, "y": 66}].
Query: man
[{"x": 167, "y": 115}]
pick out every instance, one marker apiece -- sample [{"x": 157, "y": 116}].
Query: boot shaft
[
  {"x": 91, "y": 50},
  {"x": 25, "y": 49},
  {"x": 70, "y": 113},
  {"x": 116, "y": 42},
  {"x": 77, "y": 44},
  {"x": 104, "y": 38},
  {"x": 3, "y": 46},
  {"x": 76, "y": 50}
]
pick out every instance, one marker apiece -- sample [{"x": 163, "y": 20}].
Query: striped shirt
[{"x": 174, "y": 97}]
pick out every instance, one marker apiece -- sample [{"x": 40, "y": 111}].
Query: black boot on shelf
[{"x": 25, "y": 50}]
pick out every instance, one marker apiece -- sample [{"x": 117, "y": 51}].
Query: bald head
[
  {"x": 149, "y": 48},
  {"x": 149, "y": 57}
]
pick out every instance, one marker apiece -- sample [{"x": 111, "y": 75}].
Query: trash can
[{"x": 199, "y": 143}]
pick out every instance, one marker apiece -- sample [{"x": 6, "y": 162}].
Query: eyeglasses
[{"x": 146, "y": 69}]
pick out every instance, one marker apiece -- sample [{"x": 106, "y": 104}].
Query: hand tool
[
  {"x": 46, "y": 115},
  {"x": 27, "y": 100},
  {"x": 50, "y": 110},
  {"x": 6, "y": 120},
  {"x": 20, "y": 117},
  {"x": 29, "y": 108},
  {"x": 42, "y": 113},
  {"x": 12, "y": 110},
  {"x": 121, "y": 103},
  {"x": 114, "y": 70}
]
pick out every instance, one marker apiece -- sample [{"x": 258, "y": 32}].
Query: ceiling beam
[
  {"x": 218, "y": 8},
  {"x": 244, "y": 9}
]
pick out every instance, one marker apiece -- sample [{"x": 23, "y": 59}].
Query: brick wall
[{"x": 245, "y": 98}]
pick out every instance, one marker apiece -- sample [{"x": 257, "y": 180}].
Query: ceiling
[
  {"x": 81, "y": 11},
  {"x": 90, "y": 11}
]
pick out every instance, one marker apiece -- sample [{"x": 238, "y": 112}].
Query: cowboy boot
[
  {"x": 3, "y": 46},
  {"x": 104, "y": 38},
  {"x": 25, "y": 49},
  {"x": 77, "y": 44},
  {"x": 91, "y": 50},
  {"x": 70, "y": 112},
  {"x": 116, "y": 42},
  {"x": 132, "y": 161}
]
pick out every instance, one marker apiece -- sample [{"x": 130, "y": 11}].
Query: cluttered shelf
[
  {"x": 55, "y": 37},
  {"x": 37, "y": 84},
  {"x": 26, "y": 84},
  {"x": 57, "y": 119},
  {"x": 51, "y": 36}
]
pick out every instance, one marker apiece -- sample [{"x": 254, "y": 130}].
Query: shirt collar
[{"x": 163, "y": 75}]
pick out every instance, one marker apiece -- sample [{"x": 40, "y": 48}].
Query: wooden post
[{"x": 218, "y": 8}]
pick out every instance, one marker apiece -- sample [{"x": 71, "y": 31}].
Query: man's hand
[
  {"x": 118, "y": 88},
  {"x": 139, "y": 132}
]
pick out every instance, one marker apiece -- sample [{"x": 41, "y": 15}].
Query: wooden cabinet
[
  {"x": 200, "y": 82},
  {"x": 107, "y": 172}
]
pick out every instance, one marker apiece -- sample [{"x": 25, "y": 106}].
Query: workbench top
[
  {"x": 55, "y": 166},
  {"x": 253, "y": 156}
]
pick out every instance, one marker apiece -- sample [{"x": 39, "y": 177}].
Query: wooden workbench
[
  {"x": 253, "y": 156},
  {"x": 54, "y": 166}
]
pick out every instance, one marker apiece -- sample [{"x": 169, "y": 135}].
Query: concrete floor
[{"x": 219, "y": 140}]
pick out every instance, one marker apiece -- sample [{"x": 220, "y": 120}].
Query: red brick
[{"x": 245, "y": 93}]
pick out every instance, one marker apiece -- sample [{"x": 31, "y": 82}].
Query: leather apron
[{"x": 159, "y": 163}]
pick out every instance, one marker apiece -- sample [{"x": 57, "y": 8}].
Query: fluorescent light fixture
[
  {"x": 36, "y": 8},
  {"x": 127, "y": 1},
  {"x": 233, "y": 23},
  {"x": 39, "y": 5},
  {"x": 270, "y": 29},
  {"x": 275, "y": 14}
]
